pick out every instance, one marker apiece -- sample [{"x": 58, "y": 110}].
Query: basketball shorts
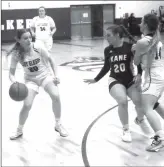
[
  {"x": 155, "y": 89},
  {"x": 154, "y": 85},
  {"x": 45, "y": 43},
  {"x": 34, "y": 84},
  {"x": 112, "y": 81}
]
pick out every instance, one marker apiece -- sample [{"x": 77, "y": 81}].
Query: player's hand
[
  {"x": 14, "y": 82},
  {"x": 133, "y": 48},
  {"x": 138, "y": 79},
  {"x": 56, "y": 80},
  {"x": 89, "y": 81},
  {"x": 51, "y": 34}
]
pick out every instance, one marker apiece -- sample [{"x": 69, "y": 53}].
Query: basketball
[{"x": 18, "y": 91}]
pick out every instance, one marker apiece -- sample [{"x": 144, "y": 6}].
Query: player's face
[
  {"x": 25, "y": 40},
  {"x": 42, "y": 12},
  {"x": 111, "y": 38}
]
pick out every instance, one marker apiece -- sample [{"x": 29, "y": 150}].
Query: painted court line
[{"x": 84, "y": 140}]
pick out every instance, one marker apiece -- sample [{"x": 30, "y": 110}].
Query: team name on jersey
[
  {"x": 117, "y": 58},
  {"x": 42, "y": 24},
  {"x": 31, "y": 63}
]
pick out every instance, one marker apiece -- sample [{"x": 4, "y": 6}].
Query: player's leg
[
  {"x": 149, "y": 98},
  {"x": 118, "y": 92},
  {"x": 135, "y": 95},
  {"x": 48, "y": 44},
  {"x": 159, "y": 107},
  {"x": 32, "y": 91},
  {"x": 53, "y": 91}
]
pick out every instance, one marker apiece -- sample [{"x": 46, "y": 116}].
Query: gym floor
[{"x": 89, "y": 114}]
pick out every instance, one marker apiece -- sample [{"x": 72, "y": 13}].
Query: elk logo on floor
[{"x": 85, "y": 63}]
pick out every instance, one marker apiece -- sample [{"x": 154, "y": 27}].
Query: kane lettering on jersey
[{"x": 119, "y": 61}]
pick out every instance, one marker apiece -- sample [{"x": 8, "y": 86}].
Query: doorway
[{"x": 97, "y": 20}]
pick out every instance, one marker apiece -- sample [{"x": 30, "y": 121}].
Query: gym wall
[
  {"x": 21, "y": 18},
  {"x": 138, "y": 7},
  {"x": 13, "y": 17}
]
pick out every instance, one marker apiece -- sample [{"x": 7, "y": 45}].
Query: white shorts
[
  {"x": 34, "y": 84},
  {"x": 154, "y": 85},
  {"x": 155, "y": 89},
  {"x": 45, "y": 43}
]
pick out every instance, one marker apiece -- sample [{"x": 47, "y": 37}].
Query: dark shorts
[{"x": 126, "y": 83}]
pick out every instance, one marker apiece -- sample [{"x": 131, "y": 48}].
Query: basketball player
[
  {"x": 122, "y": 81},
  {"x": 36, "y": 73},
  {"x": 43, "y": 28},
  {"x": 148, "y": 53},
  {"x": 159, "y": 107}
]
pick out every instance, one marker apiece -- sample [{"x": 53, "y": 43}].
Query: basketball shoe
[
  {"x": 18, "y": 134},
  {"x": 126, "y": 137},
  {"x": 61, "y": 130},
  {"x": 156, "y": 145}
]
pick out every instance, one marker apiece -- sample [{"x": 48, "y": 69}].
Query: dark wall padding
[{"x": 61, "y": 17}]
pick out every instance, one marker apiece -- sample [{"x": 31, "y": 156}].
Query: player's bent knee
[
  {"x": 137, "y": 103},
  {"x": 122, "y": 102},
  {"x": 55, "y": 97},
  {"x": 27, "y": 105}
]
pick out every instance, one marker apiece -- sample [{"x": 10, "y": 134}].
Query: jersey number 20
[
  {"x": 119, "y": 68},
  {"x": 33, "y": 69}
]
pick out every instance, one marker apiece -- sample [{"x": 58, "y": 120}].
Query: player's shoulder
[
  {"x": 127, "y": 45},
  {"x": 108, "y": 48},
  {"x": 36, "y": 18},
  {"x": 144, "y": 41},
  {"x": 37, "y": 48},
  {"x": 48, "y": 18}
]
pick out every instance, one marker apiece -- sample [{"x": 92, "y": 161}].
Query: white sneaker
[
  {"x": 17, "y": 135},
  {"x": 144, "y": 125},
  {"x": 126, "y": 137},
  {"x": 61, "y": 130}
]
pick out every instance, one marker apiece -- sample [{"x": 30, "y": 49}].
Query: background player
[
  {"x": 119, "y": 59},
  {"x": 148, "y": 53},
  {"x": 34, "y": 61},
  {"x": 43, "y": 28}
]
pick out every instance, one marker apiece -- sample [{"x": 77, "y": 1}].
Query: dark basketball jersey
[{"x": 119, "y": 61}]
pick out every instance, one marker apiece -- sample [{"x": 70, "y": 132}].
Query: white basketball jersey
[
  {"x": 157, "y": 58},
  {"x": 35, "y": 65},
  {"x": 43, "y": 27}
]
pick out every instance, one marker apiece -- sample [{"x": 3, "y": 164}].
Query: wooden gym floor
[{"x": 91, "y": 141}]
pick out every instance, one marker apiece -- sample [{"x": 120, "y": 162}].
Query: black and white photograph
[{"x": 82, "y": 83}]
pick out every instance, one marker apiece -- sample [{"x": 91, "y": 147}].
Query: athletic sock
[
  {"x": 20, "y": 128},
  {"x": 126, "y": 127}
]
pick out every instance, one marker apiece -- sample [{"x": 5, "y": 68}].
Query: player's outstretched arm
[
  {"x": 103, "y": 71},
  {"x": 12, "y": 70}
]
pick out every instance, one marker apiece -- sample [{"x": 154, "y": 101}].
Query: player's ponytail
[
  {"x": 14, "y": 48},
  {"x": 153, "y": 26},
  {"x": 126, "y": 32}
]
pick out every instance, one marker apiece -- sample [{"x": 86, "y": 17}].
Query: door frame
[{"x": 112, "y": 4}]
